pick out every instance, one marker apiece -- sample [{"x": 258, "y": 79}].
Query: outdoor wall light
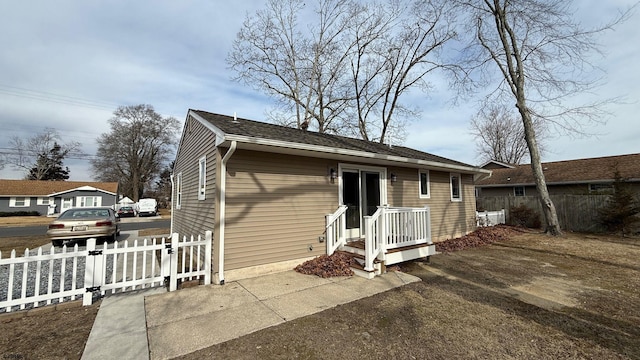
[
  {"x": 394, "y": 177},
  {"x": 333, "y": 174}
]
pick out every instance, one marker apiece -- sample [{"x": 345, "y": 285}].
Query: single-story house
[
  {"x": 54, "y": 197},
  {"x": 570, "y": 177},
  {"x": 276, "y": 196}
]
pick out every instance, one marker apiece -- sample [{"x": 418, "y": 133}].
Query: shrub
[
  {"x": 19, "y": 213},
  {"x": 524, "y": 216},
  {"x": 620, "y": 215}
]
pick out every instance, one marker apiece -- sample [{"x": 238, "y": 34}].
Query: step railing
[
  {"x": 373, "y": 234},
  {"x": 394, "y": 227},
  {"x": 336, "y": 229}
]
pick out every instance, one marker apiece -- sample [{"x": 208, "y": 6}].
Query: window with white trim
[
  {"x": 456, "y": 187},
  {"x": 19, "y": 202},
  {"x": 518, "y": 191},
  {"x": 178, "y": 190},
  {"x": 423, "y": 178},
  {"x": 88, "y": 201},
  {"x": 45, "y": 201},
  {"x": 202, "y": 177}
]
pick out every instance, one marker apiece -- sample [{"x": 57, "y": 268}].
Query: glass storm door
[{"x": 361, "y": 195}]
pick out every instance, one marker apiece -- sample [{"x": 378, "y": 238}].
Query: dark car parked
[{"x": 126, "y": 211}]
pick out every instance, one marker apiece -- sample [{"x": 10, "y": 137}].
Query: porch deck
[{"x": 391, "y": 236}]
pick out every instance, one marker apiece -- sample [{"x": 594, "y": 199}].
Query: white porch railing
[
  {"x": 48, "y": 277},
  {"x": 390, "y": 228},
  {"x": 336, "y": 229},
  {"x": 490, "y": 218}
]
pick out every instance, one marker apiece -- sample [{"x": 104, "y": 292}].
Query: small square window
[
  {"x": 424, "y": 184},
  {"x": 456, "y": 190},
  {"x": 518, "y": 191}
]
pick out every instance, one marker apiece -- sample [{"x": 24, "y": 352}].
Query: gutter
[
  {"x": 221, "y": 226},
  {"x": 172, "y": 207}
]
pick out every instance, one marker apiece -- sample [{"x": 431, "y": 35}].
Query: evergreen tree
[
  {"x": 49, "y": 167},
  {"x": 620, "y": 213}
]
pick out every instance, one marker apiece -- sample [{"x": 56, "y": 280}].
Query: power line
[{"x": 56, "y": 98}]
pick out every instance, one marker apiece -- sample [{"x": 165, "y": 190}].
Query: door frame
[{"x": 382, "y": 171}]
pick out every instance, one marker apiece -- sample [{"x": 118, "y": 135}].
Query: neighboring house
[
  {"x": 54, "y": 197},
  {"x": 276, "y": 196},
  {"x": 570, "y": 177}
]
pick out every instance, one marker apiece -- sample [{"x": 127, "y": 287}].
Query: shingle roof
[
  {"x": 570, "y": 171},
  {"x": 262, "y": 130},
  {"x": 44, "y": 188}
]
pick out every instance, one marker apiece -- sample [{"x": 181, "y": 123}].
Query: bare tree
[
  {"x": 29, "y": 154},
  {"x": 396, "y": 47},
  {"x": 347, "y": 70},
  {"x": 500, "y": 135},
  {"x": 140, "y": 143},
  {"x": 540, "y": 56},
  {"x": 301, "y": 70}
]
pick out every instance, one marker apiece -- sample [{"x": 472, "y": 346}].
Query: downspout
[
  {"x": 172, "y": 207},
  {"x": 223, "y": 189}
]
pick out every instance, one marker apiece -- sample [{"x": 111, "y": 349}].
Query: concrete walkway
[{"x": 188, "y": 320}]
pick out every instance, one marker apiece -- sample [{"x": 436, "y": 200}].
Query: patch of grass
[
  {"x": 154, "y": 232},
  {"x": 19, "y": 243},
  {"x": 25, "y": 220}
]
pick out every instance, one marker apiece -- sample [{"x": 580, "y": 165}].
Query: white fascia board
[
  {"x": 82, "y": 188},
  {"x": 353, "y": 153},
  {"x": 220, "y": 135}
]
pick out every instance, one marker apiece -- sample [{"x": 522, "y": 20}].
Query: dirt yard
[{"x": 529, "y": 297}]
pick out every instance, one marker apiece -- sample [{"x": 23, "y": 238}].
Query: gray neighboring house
[{"x": 54, "y": 197}]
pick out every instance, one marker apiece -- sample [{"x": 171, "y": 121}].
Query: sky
[{"x": 68, "y": 65}]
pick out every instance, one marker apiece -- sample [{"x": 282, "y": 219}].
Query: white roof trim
[
  {"x": 354, "y": 153},
  {"x": 220, "y": 135},
  {"x": 82, "y": 188}
]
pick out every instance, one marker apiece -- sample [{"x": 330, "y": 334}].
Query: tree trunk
[{"x": 552, "y": 225}]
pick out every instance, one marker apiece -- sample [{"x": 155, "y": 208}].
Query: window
[
  {"x": 601, "y": 188},
  {"x": 88, "y": 201},
  {"x": 518, "y": 190},
  {"x": 19, "y": 202},
  {"x": 45, "y": 201},
  {"x": 456, "y": 194},
  {"x": 202, "y": 177},
  {"x": 178, "y": 190},
  {"x": 424, "y": 184}
]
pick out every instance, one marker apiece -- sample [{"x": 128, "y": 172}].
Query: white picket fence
[
  {"x": 48, "y": 277},
  {"x": 490, "y": 218}
]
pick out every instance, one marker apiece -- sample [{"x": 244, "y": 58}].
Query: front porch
[{"x": 391, "y": 235}]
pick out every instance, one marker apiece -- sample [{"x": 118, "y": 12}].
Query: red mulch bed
[
  {"x": 338, "y": 264},
  {"x": 327, "y": 266},
  {"x": 482, "y": 236}
]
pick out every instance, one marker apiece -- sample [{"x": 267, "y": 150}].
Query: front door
[
  {"x": 67, "y": 203},
  {"x": 361, "y": 193}
]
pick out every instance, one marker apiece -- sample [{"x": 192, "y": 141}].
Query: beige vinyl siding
[
  {"x": 449, "y": 219},
  {"x": 276, "y": 207},
  {"x": 196, "y": 216}
]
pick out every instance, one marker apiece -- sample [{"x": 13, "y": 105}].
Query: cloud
[{"x": 69, "y": 64}]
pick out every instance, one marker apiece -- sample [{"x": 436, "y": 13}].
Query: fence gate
[{"x": 45, "y": 278}]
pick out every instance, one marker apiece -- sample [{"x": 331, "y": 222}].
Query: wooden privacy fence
[
  {"x": 45, "y": 277},
  {"x": 575, "y": 212}
]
